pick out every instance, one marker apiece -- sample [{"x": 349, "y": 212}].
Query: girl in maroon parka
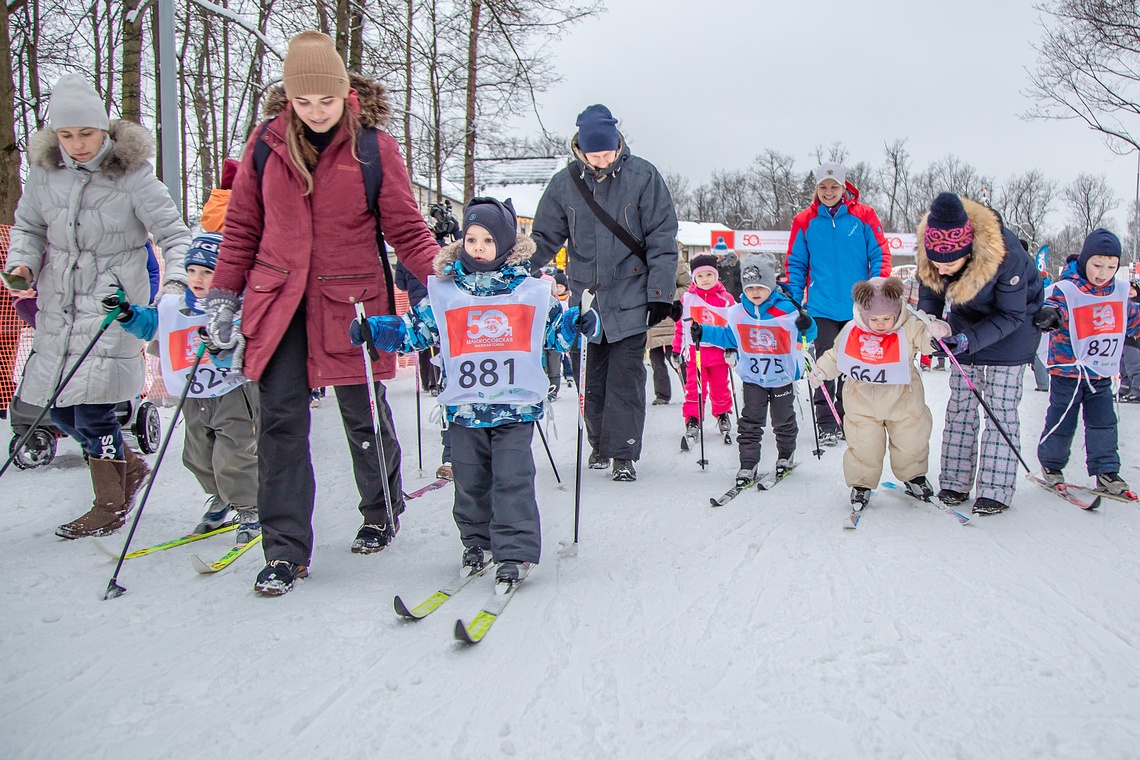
[{"x": 300, "y": 251}]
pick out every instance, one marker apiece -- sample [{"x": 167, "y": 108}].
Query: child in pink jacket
[{"x": 705, "y": 303}]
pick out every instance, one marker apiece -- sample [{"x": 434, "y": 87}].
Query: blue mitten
[{"x": 387, "y": 333}]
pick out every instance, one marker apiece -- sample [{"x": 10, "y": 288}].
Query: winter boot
[
  {"x": 952, "y": 498},
  {"x": 444, "y": 472},
  {"x": 475, "y": 559},
  {"x": 1111, "y": 483},
  {"x": 828, "y": 438},
  {"x": 987, "y": 506},
  {"x": 278, "y": 576},
  {"x": 724, "y": 423},
  {"x": 249, "y": 526},
  {"x": 860, "y": 498},
  {"x": 598, "y": 462},
  {"x": 692, "y": 429},
  {"x": 784, "y": 465},
  {"x": 137, "y": 470},
  {"x": 623, "y": 471},
  {"x": 1052, "y": 478},
  {"x": 109, "y": 511},
  {"x": 372, "y": 538},
  {"x": 920, "y": 488},
  {"x": 511, "y": 571},
  {"x": 217, "y": 514},
  {"x": 745, "y": 476},
  {"x": 552, "y": 392}
]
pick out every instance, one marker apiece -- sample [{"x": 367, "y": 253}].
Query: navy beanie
[
  {"x": 499, "y": 219},
  {"x": 1100, "y": 242},
  {"x": 203, "y": 250},
  {"x": 949, "y": 235},
  {"x": 597, "y": 130}
]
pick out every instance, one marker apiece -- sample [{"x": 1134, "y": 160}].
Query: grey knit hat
[
  {"x": 74, "y": 103},
  {"x": 759, "y": 269}
]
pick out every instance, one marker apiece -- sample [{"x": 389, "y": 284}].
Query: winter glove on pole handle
[
  {"x": 117, "y": 306},
  {"x": 114, "y": 590},
  {"x": 221, "y": 307}
]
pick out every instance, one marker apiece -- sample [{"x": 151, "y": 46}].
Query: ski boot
[
  {"x": 952, "y": 498},
  {"x": 919, "y": 488},
  {"x": 475, "y": 559},
  {"x": 217, "y": 514},
  {"x": 828, "y": 438},
  {"x": 249, "y": 526},
  {"x": 373, "y": 538},
  {"x": 1112, "y": 484},
  {"x": 744, "y": 477},
  {"x": 784, "y": 465},
  {"x": 1052, "y": 478},
  {"x": 598, "y": 462},
  {"x": 623, "y": 471},
  {"x": 986, "y": 506},
  {"x": 511, "y": 572},
  {"x": 552, "y": 392},
  {"x": 278, "y": 576},
  {"x": 860, "y": 498},
  {"x": 692, "y": 432},
  {"x": 724, "y": 425}
]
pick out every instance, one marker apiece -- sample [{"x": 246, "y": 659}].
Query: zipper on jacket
[
  {"x": 334, "y": 277},
  {"x": 270, "y": 266}
]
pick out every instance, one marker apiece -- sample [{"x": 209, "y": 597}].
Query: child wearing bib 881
[
  {"x": 883, "y": 398},
  {"x": 492, "y": 321}
]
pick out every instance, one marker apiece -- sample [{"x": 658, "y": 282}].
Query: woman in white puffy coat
[{"x": 89, "y": 203}]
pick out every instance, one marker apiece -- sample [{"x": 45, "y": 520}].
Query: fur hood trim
[
  {"x": 623, "y": 153},
  {"x": 449, "y": 254},
  {"x": 374, "y": 106},
  {"x": 983, "y": 264},
  {"x": 134, "y": 147}
]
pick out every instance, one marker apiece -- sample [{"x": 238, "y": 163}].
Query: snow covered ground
[{"x": 760, "y": 629}]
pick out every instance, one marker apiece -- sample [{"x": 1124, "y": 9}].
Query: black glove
[
  {"x": 803, "y": 322},
  {"x": 676, "y": 312},
  {"x": 696, "y": 331},
  {"x": 658, "y": 312},
  {"x": 117, "y": 300},
  {"x": 1047, "y": 319}
]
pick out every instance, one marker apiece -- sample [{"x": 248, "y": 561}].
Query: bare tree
[
  {"x": 778, "y": 189},
  {"x": 682, "y": 197},
  {"x": 1089, "y": 199},
  {"x": 1088, "y": 67},
  {"x": 894, "y": 179},
  {"x": 1025, "y": 201}
]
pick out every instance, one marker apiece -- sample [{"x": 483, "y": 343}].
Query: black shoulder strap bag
[{"x": 611, "y": 224}]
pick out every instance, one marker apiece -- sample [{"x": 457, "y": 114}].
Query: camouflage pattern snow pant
[{"x": 1001, "y": 387}]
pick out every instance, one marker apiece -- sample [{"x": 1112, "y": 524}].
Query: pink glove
[
  {"x": 816, "y": 377},
  {"x": 939, "y": 330}
]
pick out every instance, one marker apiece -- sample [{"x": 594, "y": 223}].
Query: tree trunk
[
  {"x": 130, "y": 101},
  {"x": 9, "y": 153},
  {"x": 343, "y": 22},
  {"x": 469, "y": 129},
  {"x": 408, "y": 87},
  {"x": 256, "y": 64},
  {"x": 157, "y": 95},
  {"x": 356, "y": 35}
]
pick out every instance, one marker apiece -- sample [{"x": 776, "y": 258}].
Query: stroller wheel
[
  {"x": 38, "y": 451},
  {"x": 148, "y": 428}
]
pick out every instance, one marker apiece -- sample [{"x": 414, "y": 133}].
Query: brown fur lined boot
[
  {"x": 137, "y": 470},
  {"x": 109, "y": 512}
]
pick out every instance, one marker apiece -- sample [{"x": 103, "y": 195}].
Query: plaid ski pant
[{"x": 1001, "y": 387}]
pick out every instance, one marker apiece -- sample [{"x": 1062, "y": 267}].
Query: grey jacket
[
  {"x": 81, "y": 230},
  {"x": 634, "y": 193}
]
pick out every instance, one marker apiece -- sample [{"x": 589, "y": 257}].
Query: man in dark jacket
[
  {"x": 968, "y": 258},
  {"x": 634, "y": 289}
]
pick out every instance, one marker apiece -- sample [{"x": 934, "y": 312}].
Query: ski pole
[
  {"x": 818, "y": 453},
  {"x": 701, "y": 411},
  {"x": 364, "y": 350},
  {"x": 549, "y": 456},
  {"x": 827, "y": 396},
  {"x": 63, "y": 383},
  {"x": 735, "y": 403},
  {"x": 419, "y": 435},
  {"x": 114, "y": 590},
  {"x": 586, "y": 304}
]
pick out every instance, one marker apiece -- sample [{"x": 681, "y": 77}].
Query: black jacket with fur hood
[{"x": 992, "y": 299}]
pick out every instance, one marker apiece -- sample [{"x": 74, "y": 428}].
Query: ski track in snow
[{"x": 757, "y": 629}]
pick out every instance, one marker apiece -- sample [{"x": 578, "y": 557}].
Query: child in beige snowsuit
[{"x": 882, "y": 394}]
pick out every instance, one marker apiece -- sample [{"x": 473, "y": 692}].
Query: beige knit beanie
[{"x": 313, "y": 67}]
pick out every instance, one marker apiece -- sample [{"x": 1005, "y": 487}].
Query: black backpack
[{"x": 368, "y": 151}]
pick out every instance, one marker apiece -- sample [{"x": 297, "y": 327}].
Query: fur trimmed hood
[
  {"x": 623, "y": 154},
  {"x": 981, "y": 267},
  {"x": 375, "y": 108},
  {"x": 134, "y": 147},
  {"x": 449, "y": 254}
]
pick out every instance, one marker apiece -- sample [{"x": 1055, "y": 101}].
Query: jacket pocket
[
  {"x": 261, "y": 290},
  {"x": 339, "y": 296},
  {"x": 631, "y": 281}
]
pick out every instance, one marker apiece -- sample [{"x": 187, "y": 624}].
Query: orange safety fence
[{"x": 16, "y": 343}]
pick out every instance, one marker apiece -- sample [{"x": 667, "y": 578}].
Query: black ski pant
[
  {"x": 828, "y": 329},
  {"x": 615, "y": 396},
  {"x": 758, "y": 404},
  {"x": 287, "y": 488},
  {"x": 495, "y": 506},
  {"x": 662, "y": 372}
]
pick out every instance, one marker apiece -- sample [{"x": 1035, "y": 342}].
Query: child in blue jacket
[
  {"x": 1088, "y": 316},
  {"x": 492, "y": 321},
  {"x": 763, "y": 340}
]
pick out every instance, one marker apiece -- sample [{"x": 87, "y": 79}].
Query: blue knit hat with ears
[
  {"x": 1100, "y": 242},
  {"x": 498, "y": 218}
]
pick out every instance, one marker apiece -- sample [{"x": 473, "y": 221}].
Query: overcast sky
[{"x": 700, "y": 85}]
